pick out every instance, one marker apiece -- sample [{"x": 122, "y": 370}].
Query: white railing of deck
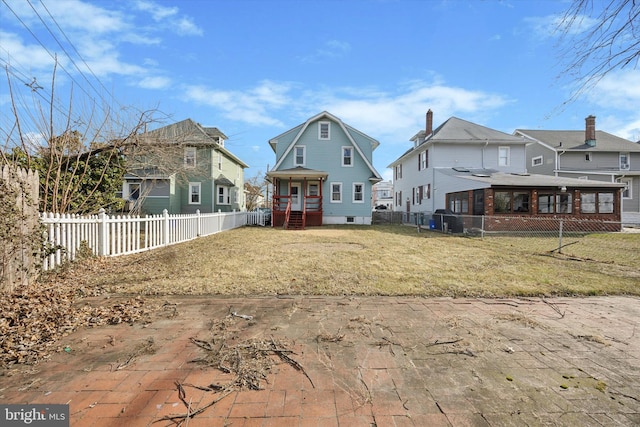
[{"x": 113, "y": 235}]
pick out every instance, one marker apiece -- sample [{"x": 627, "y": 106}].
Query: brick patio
[{"x": 399, "y": 362}]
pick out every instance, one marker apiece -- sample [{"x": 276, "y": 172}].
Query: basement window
[{"x": 351, "y": 219}]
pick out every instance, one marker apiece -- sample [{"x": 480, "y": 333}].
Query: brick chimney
[
  {"x": 590, "y": 131},
  {"x": 429, "y": 129}
]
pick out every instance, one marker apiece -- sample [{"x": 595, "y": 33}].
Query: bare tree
[
  {"x": 610, "y": 40},
  {"x": 255, "y": 188},
  {"x": 77, "y": 152}
]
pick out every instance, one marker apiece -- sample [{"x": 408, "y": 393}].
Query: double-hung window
[
  {"x": 423, "y": 160},
  {"x": 190, "y": 157},
  {"x": 347, "y": 156},
  {"x": 324, "y": 130},
  {"x": 223, "y": 195},
  {"x": 299, "y": 155},
  {"x": 624, "y": 161},
  {"x": 503, "y": 156},
  {"x": 358, "y": 192},
  {"x": 194, "y": 193},
  {"x": 336, "y": 192}
]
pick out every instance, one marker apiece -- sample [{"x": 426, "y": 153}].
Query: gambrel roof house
[
  {"x": 588, "y": 154},
  {"x": 323, "y": 174},
  {"x": 183, "y": 167},
  {"x": 474, "y": 170}
]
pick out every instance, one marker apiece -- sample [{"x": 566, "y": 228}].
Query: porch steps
[{"x": 295, "y": 221}]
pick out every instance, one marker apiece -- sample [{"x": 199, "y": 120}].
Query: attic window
[
  {"x": 324, "y": 130},
  {"x": 190, "y": 157}
]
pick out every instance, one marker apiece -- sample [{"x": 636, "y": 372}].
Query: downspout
[
  {"x": 486, "y": 143},
  {"x": 558, "y": 161}
]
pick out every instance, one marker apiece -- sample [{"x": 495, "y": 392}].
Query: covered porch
[{"x": 297, "y": 197}]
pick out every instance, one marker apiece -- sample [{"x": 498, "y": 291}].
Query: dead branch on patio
[
  {"x": 437, "y": 342},
  {"x": 554, "y": 306}
]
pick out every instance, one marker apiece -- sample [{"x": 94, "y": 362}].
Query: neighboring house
[
  {"x": 182, "y": 168},
  {"x": 423, "y": 174},
  {"x": 383, "y": 195},
  {"x": 323, "y": 174},
  {"x": 470, "y": 169},
  {"x": 254, "y": 197},
  {"x": 589, "y": 154}
]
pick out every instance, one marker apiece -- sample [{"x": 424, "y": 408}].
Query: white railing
[{"x": 112, "y": 235}]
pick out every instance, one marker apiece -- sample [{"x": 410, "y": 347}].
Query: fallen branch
[
  {"x": 291, "y": 362},
  {"x": 554, "y": 307},
  {"x": 436, "y": 342}
]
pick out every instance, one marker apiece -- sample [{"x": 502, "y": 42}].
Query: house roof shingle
[
  {"x": 575, "y": 140},
  {"x": 459, "y": 131}
]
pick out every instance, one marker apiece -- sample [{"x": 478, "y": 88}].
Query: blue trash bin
[{"x": 432, "y": 224}]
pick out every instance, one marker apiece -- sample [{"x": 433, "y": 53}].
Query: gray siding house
[{"x": 588, "y": 154}]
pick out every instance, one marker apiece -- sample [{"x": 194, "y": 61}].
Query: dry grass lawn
[{"x": 377, "y": 260}]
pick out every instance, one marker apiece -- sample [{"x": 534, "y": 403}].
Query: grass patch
[{"x": 376, "y": 260}]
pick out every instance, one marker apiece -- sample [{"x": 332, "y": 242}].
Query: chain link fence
[{"x": 534, "y": 234}]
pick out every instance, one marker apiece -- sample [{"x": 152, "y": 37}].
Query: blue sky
[{"x": 255, "y": 69}]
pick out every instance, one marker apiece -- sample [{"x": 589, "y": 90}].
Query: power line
[
  {"x": 74, "y": 48},
  {"x": 47, "y": 50}
]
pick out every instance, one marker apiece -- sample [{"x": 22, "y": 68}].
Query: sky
[{"x": 257, "y": 68}]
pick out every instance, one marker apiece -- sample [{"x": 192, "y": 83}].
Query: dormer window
[{"x": 324, "y": 130}]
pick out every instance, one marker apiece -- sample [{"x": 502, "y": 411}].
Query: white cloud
[
  {"x": 169, "y": 19},
  {"x": 555, "y": 25},
  {"x": 329, "y": 50},
  {"x": 403, "y": 108},
  {"x": 155, "y": 82},
  {"x": 186, "y": 27},
  {"x": 618, "y": 89},
  {"x": 158, "y": 12},
  {"x": 256, "y": 106}
]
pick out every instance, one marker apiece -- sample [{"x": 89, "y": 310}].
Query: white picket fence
[{"x": 107, "y": 235}]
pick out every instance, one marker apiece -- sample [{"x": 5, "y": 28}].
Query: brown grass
[{"x": 377, "y": 260}]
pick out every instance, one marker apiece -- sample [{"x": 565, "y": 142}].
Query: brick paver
[{"x": 375, "y": 361}]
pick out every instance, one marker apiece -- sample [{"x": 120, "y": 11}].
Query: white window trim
[
  {"x": 187, "y": 151},
  {"x": 331, "y": 184},
  {"x": 343, "y": 157},
  {"x": 225, "y": 195},
  {"x": 199, "y": 186},
  {"x": 304, "y": 155},
  {"x": 588, "y": 156},
  {"x": 309, "y": 185},
  {"x": 536, "y": 159},
  {"x": 353, "y": 196},
  {"x": 627, "y": 165},
  {"x": 629, "y": 189},
  {"x": 328, "y": 131},
  {"x": 508, "y": 160}
]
